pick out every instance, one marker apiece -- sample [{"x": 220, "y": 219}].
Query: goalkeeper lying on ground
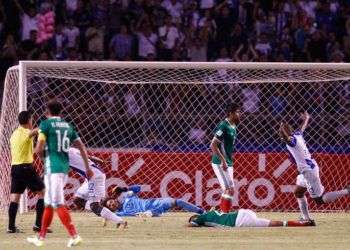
[
  {"x": 240, "y": 218},
  {"x": 132, "y": 205}
]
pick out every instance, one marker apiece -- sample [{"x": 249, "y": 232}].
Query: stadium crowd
[
  {"x": 178, "y": 30},
  {"x": 183, "y": 30}
]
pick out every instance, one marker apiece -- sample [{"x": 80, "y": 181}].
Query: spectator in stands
[
  {"x": 169, "y": 38},
  {"x": 197, "y": 51},
  {"x": 95, "y": 36},
  {"x": 147, "y": 41},
  {"x": 9, "y": 51},
  {"x": 29, "y": 20},
  {"x": 263, "y": 45},
  {"x": 207, "y": 4},
  {"x": 72, "y": 33},
  {"x": 197, "y": 135},
  {"x": 244, "y": 54},
  {"x": 174, "y": 8},
  {"x": 316, "y": 47},
  {"x": 71, "y": 7},
  {"x": 59, "y": 43},
  {"x": 251, "y": 99},
  {"x": 278, "y": 102},
  {"x": 343, "y": 129},
  {"x": 121, "y": 44},
  {"x": 28, "y": 46}
]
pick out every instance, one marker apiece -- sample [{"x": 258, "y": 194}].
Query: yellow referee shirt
[{"x": 21, "y": 146}]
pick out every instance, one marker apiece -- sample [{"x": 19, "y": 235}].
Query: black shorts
[{"x": 24, "y": 176}]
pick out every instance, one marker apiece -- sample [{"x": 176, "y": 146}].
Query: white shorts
[
  {"x": 310, "y": 180},
  {"x": 93, "y": 190},
  {"x": 54, "y": 189},
  {"x": 225, "y": 178},
  {"x": 248, "y": 218}
]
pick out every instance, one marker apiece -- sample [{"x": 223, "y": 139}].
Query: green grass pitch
[{"x": 170, "y": 232}]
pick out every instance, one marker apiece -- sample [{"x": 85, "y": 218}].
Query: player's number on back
[{"x": 62, "y": 141}]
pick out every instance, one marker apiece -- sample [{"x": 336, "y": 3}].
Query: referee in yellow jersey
[{"x": 23, "y": 175}]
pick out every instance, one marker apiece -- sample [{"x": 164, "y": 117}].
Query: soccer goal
[{"x": 152, "y": 123}]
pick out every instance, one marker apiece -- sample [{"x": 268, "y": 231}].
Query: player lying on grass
[
  {"x": 309, "y": 176},
  {"x": 132, "y": 205},
  {"x": 240, "y": 218},
  {"x": 92, "y": 191}
]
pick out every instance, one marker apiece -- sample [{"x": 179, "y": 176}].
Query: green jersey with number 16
[{"x": 58, "y": 135}]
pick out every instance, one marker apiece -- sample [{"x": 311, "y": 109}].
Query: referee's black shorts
[{"x": 24, "y": 176}]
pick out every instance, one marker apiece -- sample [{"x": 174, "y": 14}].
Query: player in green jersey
[
  {"x": 222, "y": 146},
  {"x": 240, "y": 218},
  {"x": 55, "y": 137}
]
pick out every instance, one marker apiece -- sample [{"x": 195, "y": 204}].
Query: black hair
[
  {"x": 192, "y": 219},
  {"x": 54, "y": 107},
  {"x": 24, "y": 117},
  {"x": 232, "y": 107}
]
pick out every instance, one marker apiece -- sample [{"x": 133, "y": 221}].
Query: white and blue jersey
[
  {"x": 132, "y": 204},
  {"x": 300, "y": 153},
  {"x": 92, "y": 190},
  {"x": 76, "y": 163}
]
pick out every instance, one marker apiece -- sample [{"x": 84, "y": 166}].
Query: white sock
[
  {"x": 109, "y": 215},
  {"x": 303, "y": 206},
  {"x": 332, "y": 196}
]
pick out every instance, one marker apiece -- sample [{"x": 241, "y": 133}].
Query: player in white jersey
[
  {"x": 309, "y": 176},
  {"x": 92, "y": 191}
]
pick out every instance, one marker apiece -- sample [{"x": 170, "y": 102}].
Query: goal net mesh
[{"x": 153, "y": 127}]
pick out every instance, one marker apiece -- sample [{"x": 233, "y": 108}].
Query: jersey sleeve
[
  {"x": 43, "y": 131},
  {"x": 219, "y": 131},
  {"x": 74, "y": 134}
]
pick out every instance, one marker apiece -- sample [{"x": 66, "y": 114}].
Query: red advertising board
[{"x": 262, "y": 181}]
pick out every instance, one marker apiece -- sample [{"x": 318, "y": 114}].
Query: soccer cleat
[
  {"x": 308, "y": 223},
  {"x": 35, "y": 241},
  {"x": 312, "y": 223},
  {"x": 14, "y": 230},
  {"x": 37, "y": 229},
  {"x": 74, "y": 241}
]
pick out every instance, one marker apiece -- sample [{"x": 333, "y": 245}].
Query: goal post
[{"x": 152, "y": 123}]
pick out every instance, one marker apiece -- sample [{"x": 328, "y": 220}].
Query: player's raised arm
[
  {"x": 96, "y": 159},
  {"x": 80, "y": 145},
  {"x": 306, "y": 117},
  {"x": 40, "y": 146}
]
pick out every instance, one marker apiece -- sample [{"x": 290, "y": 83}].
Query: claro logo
[{"x": 203, "y": 191}]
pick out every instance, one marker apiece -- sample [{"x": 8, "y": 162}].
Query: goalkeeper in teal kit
[{"x": 132, "y": 205}]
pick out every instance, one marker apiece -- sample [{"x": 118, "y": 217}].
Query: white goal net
[{"x": 152, "y": 124}]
